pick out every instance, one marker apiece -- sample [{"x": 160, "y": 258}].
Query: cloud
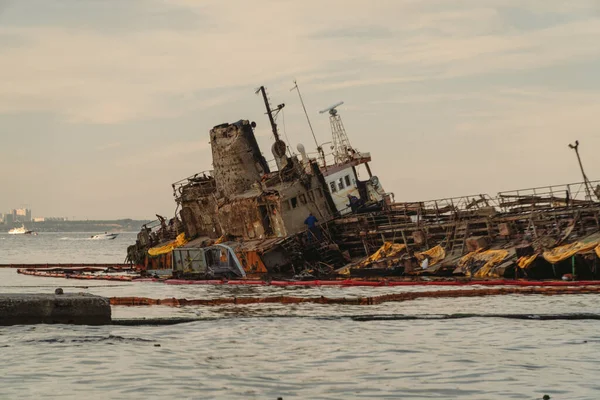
[
  {"x": 165, "y": 153},
  {"x": 354, "y": 33},
  {"x": 461, "y": 96},
  {"x": 108, "y": 146},
  {"x": 499, "y": 139},
  {"x": 87, "y": 75}
]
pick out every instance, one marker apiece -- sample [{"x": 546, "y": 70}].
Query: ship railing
[
  {"x": 152, "y": 225},
  {"x": 155, "y": 227},
  {"x": 272, "y": 165},
  {"x": 330, "y": 159},
  {"x": 549, "y": 196},
  {"x": 199, "y": 177},
  {"x": 445, "y": 209}
]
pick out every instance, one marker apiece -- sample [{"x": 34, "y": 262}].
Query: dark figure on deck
[
  {"x": 354, "y": 203},
  {"x": 313, "y": 230}
]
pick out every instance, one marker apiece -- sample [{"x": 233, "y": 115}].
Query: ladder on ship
[
  {"x": 291, "y": 246},
  {"x": 330, "y": 256},
  {"x": 457, "y": 244}
]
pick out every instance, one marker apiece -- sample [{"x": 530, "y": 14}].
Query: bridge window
[
  {"x": 294, "y": 201},
  {"x": 332, "y": 187},
  {"x": 341, "y": 183},
  {"x": 347, "y": 177}
]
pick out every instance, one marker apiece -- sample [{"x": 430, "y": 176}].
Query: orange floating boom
[{"x": 394, "y": 297}]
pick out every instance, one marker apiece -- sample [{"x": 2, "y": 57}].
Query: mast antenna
[
  {"x": 305, "y": 113},
  {"x": 319, "y": 148},
  {"x": 271, "y": 113},
  {"x": 586, "y": 181},
  {"x": 342, "y": 150},
  {"x": 279, "y": 147}
]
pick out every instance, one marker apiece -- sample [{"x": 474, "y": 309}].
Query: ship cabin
[{"x": 342, "y": 179}]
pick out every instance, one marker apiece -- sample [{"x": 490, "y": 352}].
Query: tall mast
[
  {"x": 305, "y": 113},
  {"x": 319, "y": 148},
  {"x": 279, "y": 147},
  {"x": 270, "y": 112},
  {"x": 586, "y": 181}
]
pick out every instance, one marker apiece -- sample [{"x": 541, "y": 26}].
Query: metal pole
[
  {"x": 269, "y": 113},
  {"x": 305, "y": 113},
  {"x": 319, "y": 148},
  {"x": 585, "y": 179}
]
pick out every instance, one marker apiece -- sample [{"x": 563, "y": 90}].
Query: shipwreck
[{"x": 301, "y": 216}]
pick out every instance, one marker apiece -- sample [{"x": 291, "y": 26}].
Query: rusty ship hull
[{"x": 244, "y": 219}]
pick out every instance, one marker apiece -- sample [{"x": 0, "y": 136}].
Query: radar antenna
[{"x": 342, "y": 150}]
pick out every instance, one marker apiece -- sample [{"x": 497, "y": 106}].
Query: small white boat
[
  {"x": 105, "y": 236},
  {"x": 20, "y": 231}
]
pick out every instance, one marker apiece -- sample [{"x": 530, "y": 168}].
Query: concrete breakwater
[{"x": 57, "y": 308}]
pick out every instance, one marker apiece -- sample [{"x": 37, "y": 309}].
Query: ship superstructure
[{"x": 243, "y": 204}]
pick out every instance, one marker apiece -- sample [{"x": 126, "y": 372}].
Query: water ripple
[{"x": 305, "y": 351}]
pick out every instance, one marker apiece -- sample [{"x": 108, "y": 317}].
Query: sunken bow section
[{"x": 242, "y": 218}]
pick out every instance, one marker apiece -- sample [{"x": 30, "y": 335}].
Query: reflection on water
[{"x": 251, "y": 352}]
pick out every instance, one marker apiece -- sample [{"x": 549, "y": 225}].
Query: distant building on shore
[
  {"x": 16, "y": 215},
  {"x": 21, "y": 215},
  {"x": 54, "y": 219}
]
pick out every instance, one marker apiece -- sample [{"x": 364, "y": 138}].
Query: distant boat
[
  {"x": 105, "y": 236},
  {"x": 20, "y": 231}
]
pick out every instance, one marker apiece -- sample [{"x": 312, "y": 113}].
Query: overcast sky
[{"x": 105, "y": 103}]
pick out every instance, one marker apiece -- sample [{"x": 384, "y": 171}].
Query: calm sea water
[{"x": 294, "y": 352}]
